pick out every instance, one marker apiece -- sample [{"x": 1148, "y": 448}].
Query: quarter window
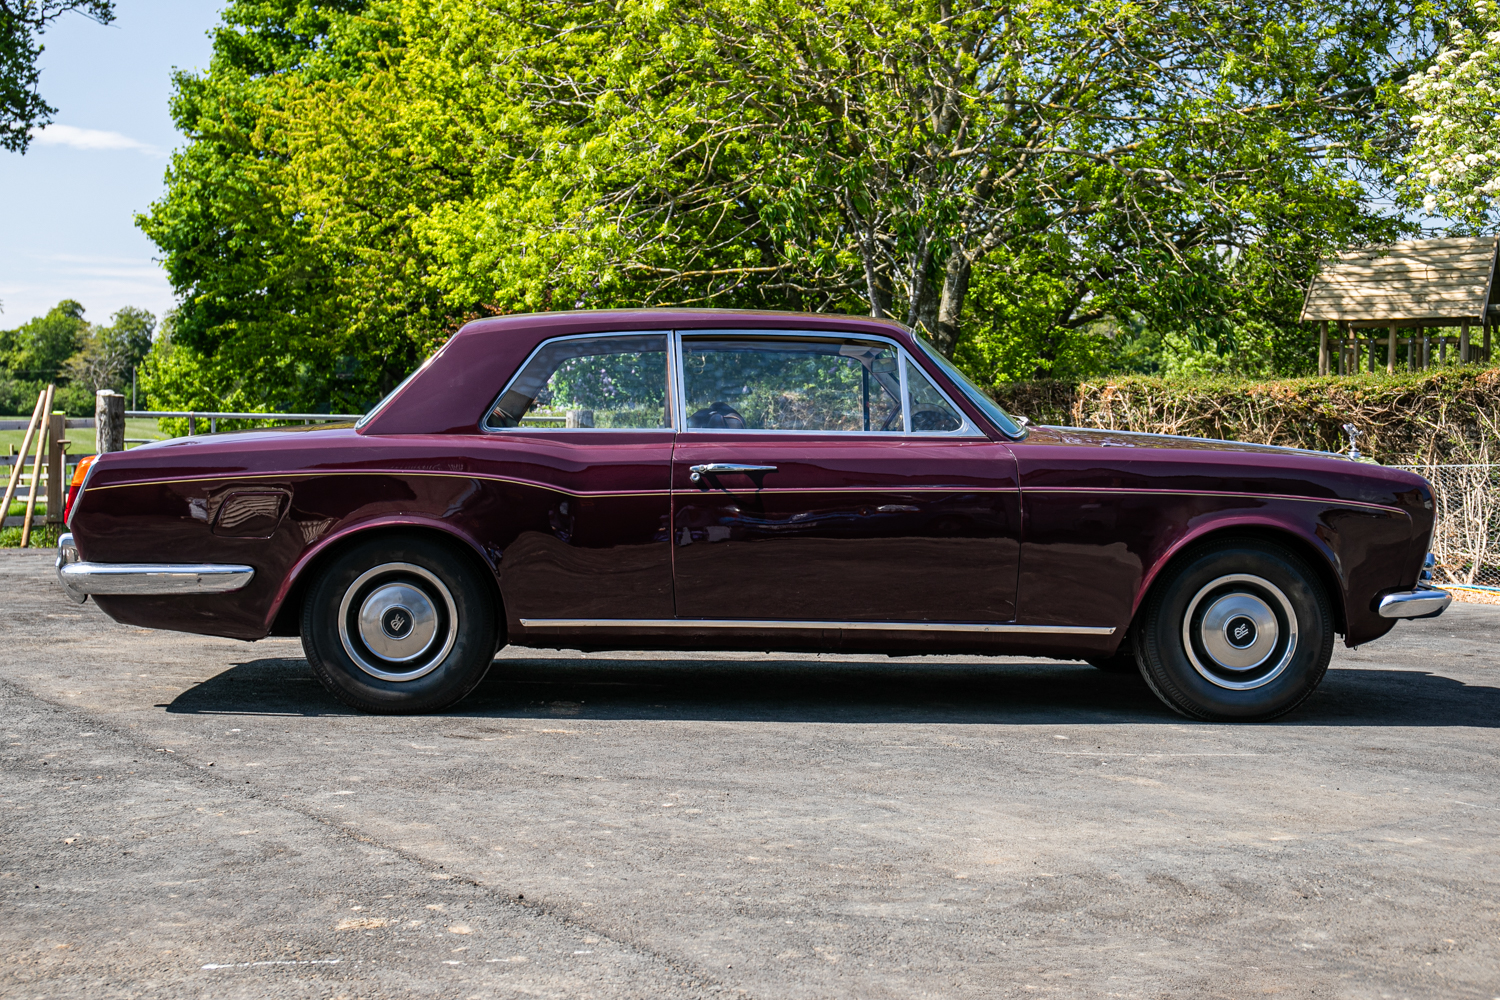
[
  {"x": 790, "y": 385},
  {"x": 929, "y": 410},
  {"x": 610, "y": 382}
]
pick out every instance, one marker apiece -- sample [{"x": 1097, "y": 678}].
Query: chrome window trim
[
  {"x": 596, "y": 335},
  {"x": 857, "y": 626},
  {"x": 1025, "y": 432},
  {"x": 969, "y": 431}
]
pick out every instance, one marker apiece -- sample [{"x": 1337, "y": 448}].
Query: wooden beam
[
  {"x": 1463, "y": 343},
  {"x": 1390, "y": 350},
  {"x": 1323, "y": 347}
]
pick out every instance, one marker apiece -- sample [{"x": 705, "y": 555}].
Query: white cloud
[
  {"x": 31, "y": 283},
  {"x": 90, "y": 139}
]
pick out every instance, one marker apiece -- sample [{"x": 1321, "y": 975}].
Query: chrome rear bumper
[
  {"x": 80, "y": 579},
  {"x": 1424, "y": 602}
]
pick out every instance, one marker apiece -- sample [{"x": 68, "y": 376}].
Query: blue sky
[{"x": 67, "y": 206}]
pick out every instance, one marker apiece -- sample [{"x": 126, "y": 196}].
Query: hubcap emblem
[
  {"x": 396, "y": 622},
  {"x": 1240, "y": 631}
]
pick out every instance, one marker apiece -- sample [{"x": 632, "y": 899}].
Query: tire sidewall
[
  {"x": 455, "y": 676},
  {"x": 1165, "y": 662}
]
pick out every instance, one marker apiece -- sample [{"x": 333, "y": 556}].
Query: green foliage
[
  {"x": 77, "y": 357},
  {"x": 21, "y": 23},
  {"x": 39, "y": 348},
  {"x": 1058, "y": 189}
]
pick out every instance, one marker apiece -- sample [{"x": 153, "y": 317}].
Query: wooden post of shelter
[
  {"x": 1323, "y": 347},
  {"x": 1463, "y": 342}
]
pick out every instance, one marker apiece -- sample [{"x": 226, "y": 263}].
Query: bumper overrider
[
  {"x": 1423, "y": 602},
  {"x": 80, "y": 579}
]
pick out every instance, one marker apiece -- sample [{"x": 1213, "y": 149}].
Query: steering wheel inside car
[{"x": 717, "y": 415}]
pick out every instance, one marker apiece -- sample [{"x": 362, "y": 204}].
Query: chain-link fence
[{"x": 1466, "y": 540}]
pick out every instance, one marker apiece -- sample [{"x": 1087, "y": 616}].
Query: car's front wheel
[
  {"x": 399, "y": 624},
  {"x": 1240, "y": 631}
]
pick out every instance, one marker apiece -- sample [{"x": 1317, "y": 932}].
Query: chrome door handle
[{"x": 712, "y": 468}]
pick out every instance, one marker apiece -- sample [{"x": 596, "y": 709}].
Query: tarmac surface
[{"x": 183, "y": 816}]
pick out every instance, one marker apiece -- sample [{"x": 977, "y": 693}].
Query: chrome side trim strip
[
  {"x": 1419, "y": 603},
  {"x": 80, "y": 579},
  {"x": 843, "y": 625}
]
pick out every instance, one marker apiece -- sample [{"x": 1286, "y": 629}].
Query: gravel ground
[{"x": 183, "y": 816}]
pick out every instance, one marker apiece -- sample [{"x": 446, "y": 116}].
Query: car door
[
  {"x": 577, "y": 453},
  {"x": 825, "y": 479}
]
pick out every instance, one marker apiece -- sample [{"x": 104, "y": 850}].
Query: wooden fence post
[
  {"x": 109, "y": 421},
  {"x": 15, "y": 472},
  {"x": 57, "y": 440},
  {"x": 36, "y": 473}
]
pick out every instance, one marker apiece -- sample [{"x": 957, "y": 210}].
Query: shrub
[{"x": 1445, "y": 415}]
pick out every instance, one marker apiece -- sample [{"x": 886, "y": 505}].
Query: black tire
[
  {"x": 1241, "y": 631},
  {"x": 1123, "y": 662},
  {"x": 419, "y": 625}
]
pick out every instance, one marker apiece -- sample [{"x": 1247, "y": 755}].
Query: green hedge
[{"x": 1447, "y": 415}]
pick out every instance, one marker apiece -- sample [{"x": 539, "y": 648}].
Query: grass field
[{"x": 82, "y": 438}]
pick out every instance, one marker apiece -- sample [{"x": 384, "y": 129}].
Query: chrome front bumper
[
  {"x": 80, "y": 579},
  {"x": 1424, "y": 602}
]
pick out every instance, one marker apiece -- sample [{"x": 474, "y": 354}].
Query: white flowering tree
[{"x": 1454, "y": 163}]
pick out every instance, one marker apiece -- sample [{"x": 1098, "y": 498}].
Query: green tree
[
  {"x": 40, "y": 348},
  {"x": 1042, "y": 187},
  {"x": 22, "y": 22},
  {"x": 110, "y": 353}
]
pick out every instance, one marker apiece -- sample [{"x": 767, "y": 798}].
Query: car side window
[
  {"x": 615, "y": 382},
  {"x": 783, "y": 384},
  {"x": 930, "y": 412}
]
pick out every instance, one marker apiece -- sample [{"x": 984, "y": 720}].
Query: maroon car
[{"x": 750, "y": 481}]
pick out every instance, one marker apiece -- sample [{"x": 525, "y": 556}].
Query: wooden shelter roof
[{"x": 1430, "y": 281}]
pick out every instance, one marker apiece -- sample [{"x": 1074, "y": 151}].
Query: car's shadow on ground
[{"x": 875, "y": 690}]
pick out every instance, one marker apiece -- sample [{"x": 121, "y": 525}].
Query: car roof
[{"x": 454, "y": 389}]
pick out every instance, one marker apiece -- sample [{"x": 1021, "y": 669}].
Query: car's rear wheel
[
  {"x": 1241, "y": 631},
  {"x": 400, "y": 624}
]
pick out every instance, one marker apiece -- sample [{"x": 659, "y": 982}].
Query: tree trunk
[
  {"x": 876, "y": 289},
  {"x": 921, "y": 313},
  {"x": 951, "y": 305}
]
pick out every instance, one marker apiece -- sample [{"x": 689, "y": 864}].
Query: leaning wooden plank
[
  {"x": 15, "y": 474},
  {"x": 36, "y": 473}
]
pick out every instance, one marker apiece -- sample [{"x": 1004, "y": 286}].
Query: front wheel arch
[
  {"x": 287, "y": 620},
  {"x": 1316, "y": 559}
]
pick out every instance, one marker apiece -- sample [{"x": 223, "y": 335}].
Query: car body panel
[
  {"x": 923, "y": 529},
  {"x": 1064, "y": 529}
]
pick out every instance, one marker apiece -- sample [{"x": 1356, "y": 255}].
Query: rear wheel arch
[
  {"x": 1316, "y": 559},
  {"x": 288, "y": 618}
]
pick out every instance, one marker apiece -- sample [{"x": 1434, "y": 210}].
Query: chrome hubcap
[
  {"x": 397, "y": 622},
  {"x": 1240, "y": 631}
]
